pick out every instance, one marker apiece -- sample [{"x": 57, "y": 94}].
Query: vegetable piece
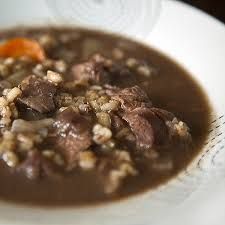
[
  {"x": 20, "y": 125},
  {"x": 18, "y": 47}
]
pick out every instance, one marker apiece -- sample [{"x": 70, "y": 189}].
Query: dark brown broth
[{"x": 172, "y": 89}]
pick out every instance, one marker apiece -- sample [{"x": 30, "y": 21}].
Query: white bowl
[{"x": 196, "y": 41}]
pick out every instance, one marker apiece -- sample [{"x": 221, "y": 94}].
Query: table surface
[{"x": 215, "y": 8}]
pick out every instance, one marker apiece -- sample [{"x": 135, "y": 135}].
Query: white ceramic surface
[
  {"x": 197, "y": 196},
  {"x": 128, "y": 17}
]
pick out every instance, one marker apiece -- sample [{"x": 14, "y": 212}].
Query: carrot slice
[{"x": 18, "y": 47}]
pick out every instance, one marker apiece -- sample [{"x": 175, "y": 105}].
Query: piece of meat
[
  {"x": 150, "y": 125},
  {"x": 37, "y": 94},
  {"x": 93, "y": 71},
  {"x": 28, "y": 113},
  {"x": 155, "y": 126},
  {"x": 142, "y": 130},
  {"x": 177, "y": 129},
  {"x": 130, "y": 98},
  {"x": 120, "y": 74},
  {"x": 36, "y": 166},
  {"x": 147, "y": 127},
  {"x": 117, "y": 122},
  {"x": 72, "y": 134},
  {"x": 122, "y": 131},
  {"x": 163, "y": 114},
  {"x": 100, "y": 70}
]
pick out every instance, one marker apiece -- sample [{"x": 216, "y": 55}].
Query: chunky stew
[{"x": 88, "y": 117}]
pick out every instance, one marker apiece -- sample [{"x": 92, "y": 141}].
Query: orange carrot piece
[{"x": 18, "y": 47}]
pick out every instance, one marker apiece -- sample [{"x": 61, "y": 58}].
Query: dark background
[{"x": 215, "y": 8}]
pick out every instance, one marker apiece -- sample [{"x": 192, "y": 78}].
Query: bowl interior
[{"x": 207, "y": 69}]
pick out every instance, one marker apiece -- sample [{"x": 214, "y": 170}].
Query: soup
[{"x": 88, "y": 117}]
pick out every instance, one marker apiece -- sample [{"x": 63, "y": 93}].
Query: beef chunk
[
  {"x": 150, "y": 125},
  {"x": 99, "y": 70},
  {"x": 38, "y": 94},
  {"x": 35, "y": 166},
  {"x": 147, "y": 127},
  {"x": 163, "y": 114},
  {"x": 29, "y": 114},
  {"x": 93, "y": 71},
  {"x": 154, "y": 126},
  {"x": 130, "y": 98},
  {"x": 117, "y": 122},
  {"x": 119, "y": 75},
  {"x": 178, "y": 130},
  {"x": 122, "y": 131},
  {"x": 73, "y": 134}
]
